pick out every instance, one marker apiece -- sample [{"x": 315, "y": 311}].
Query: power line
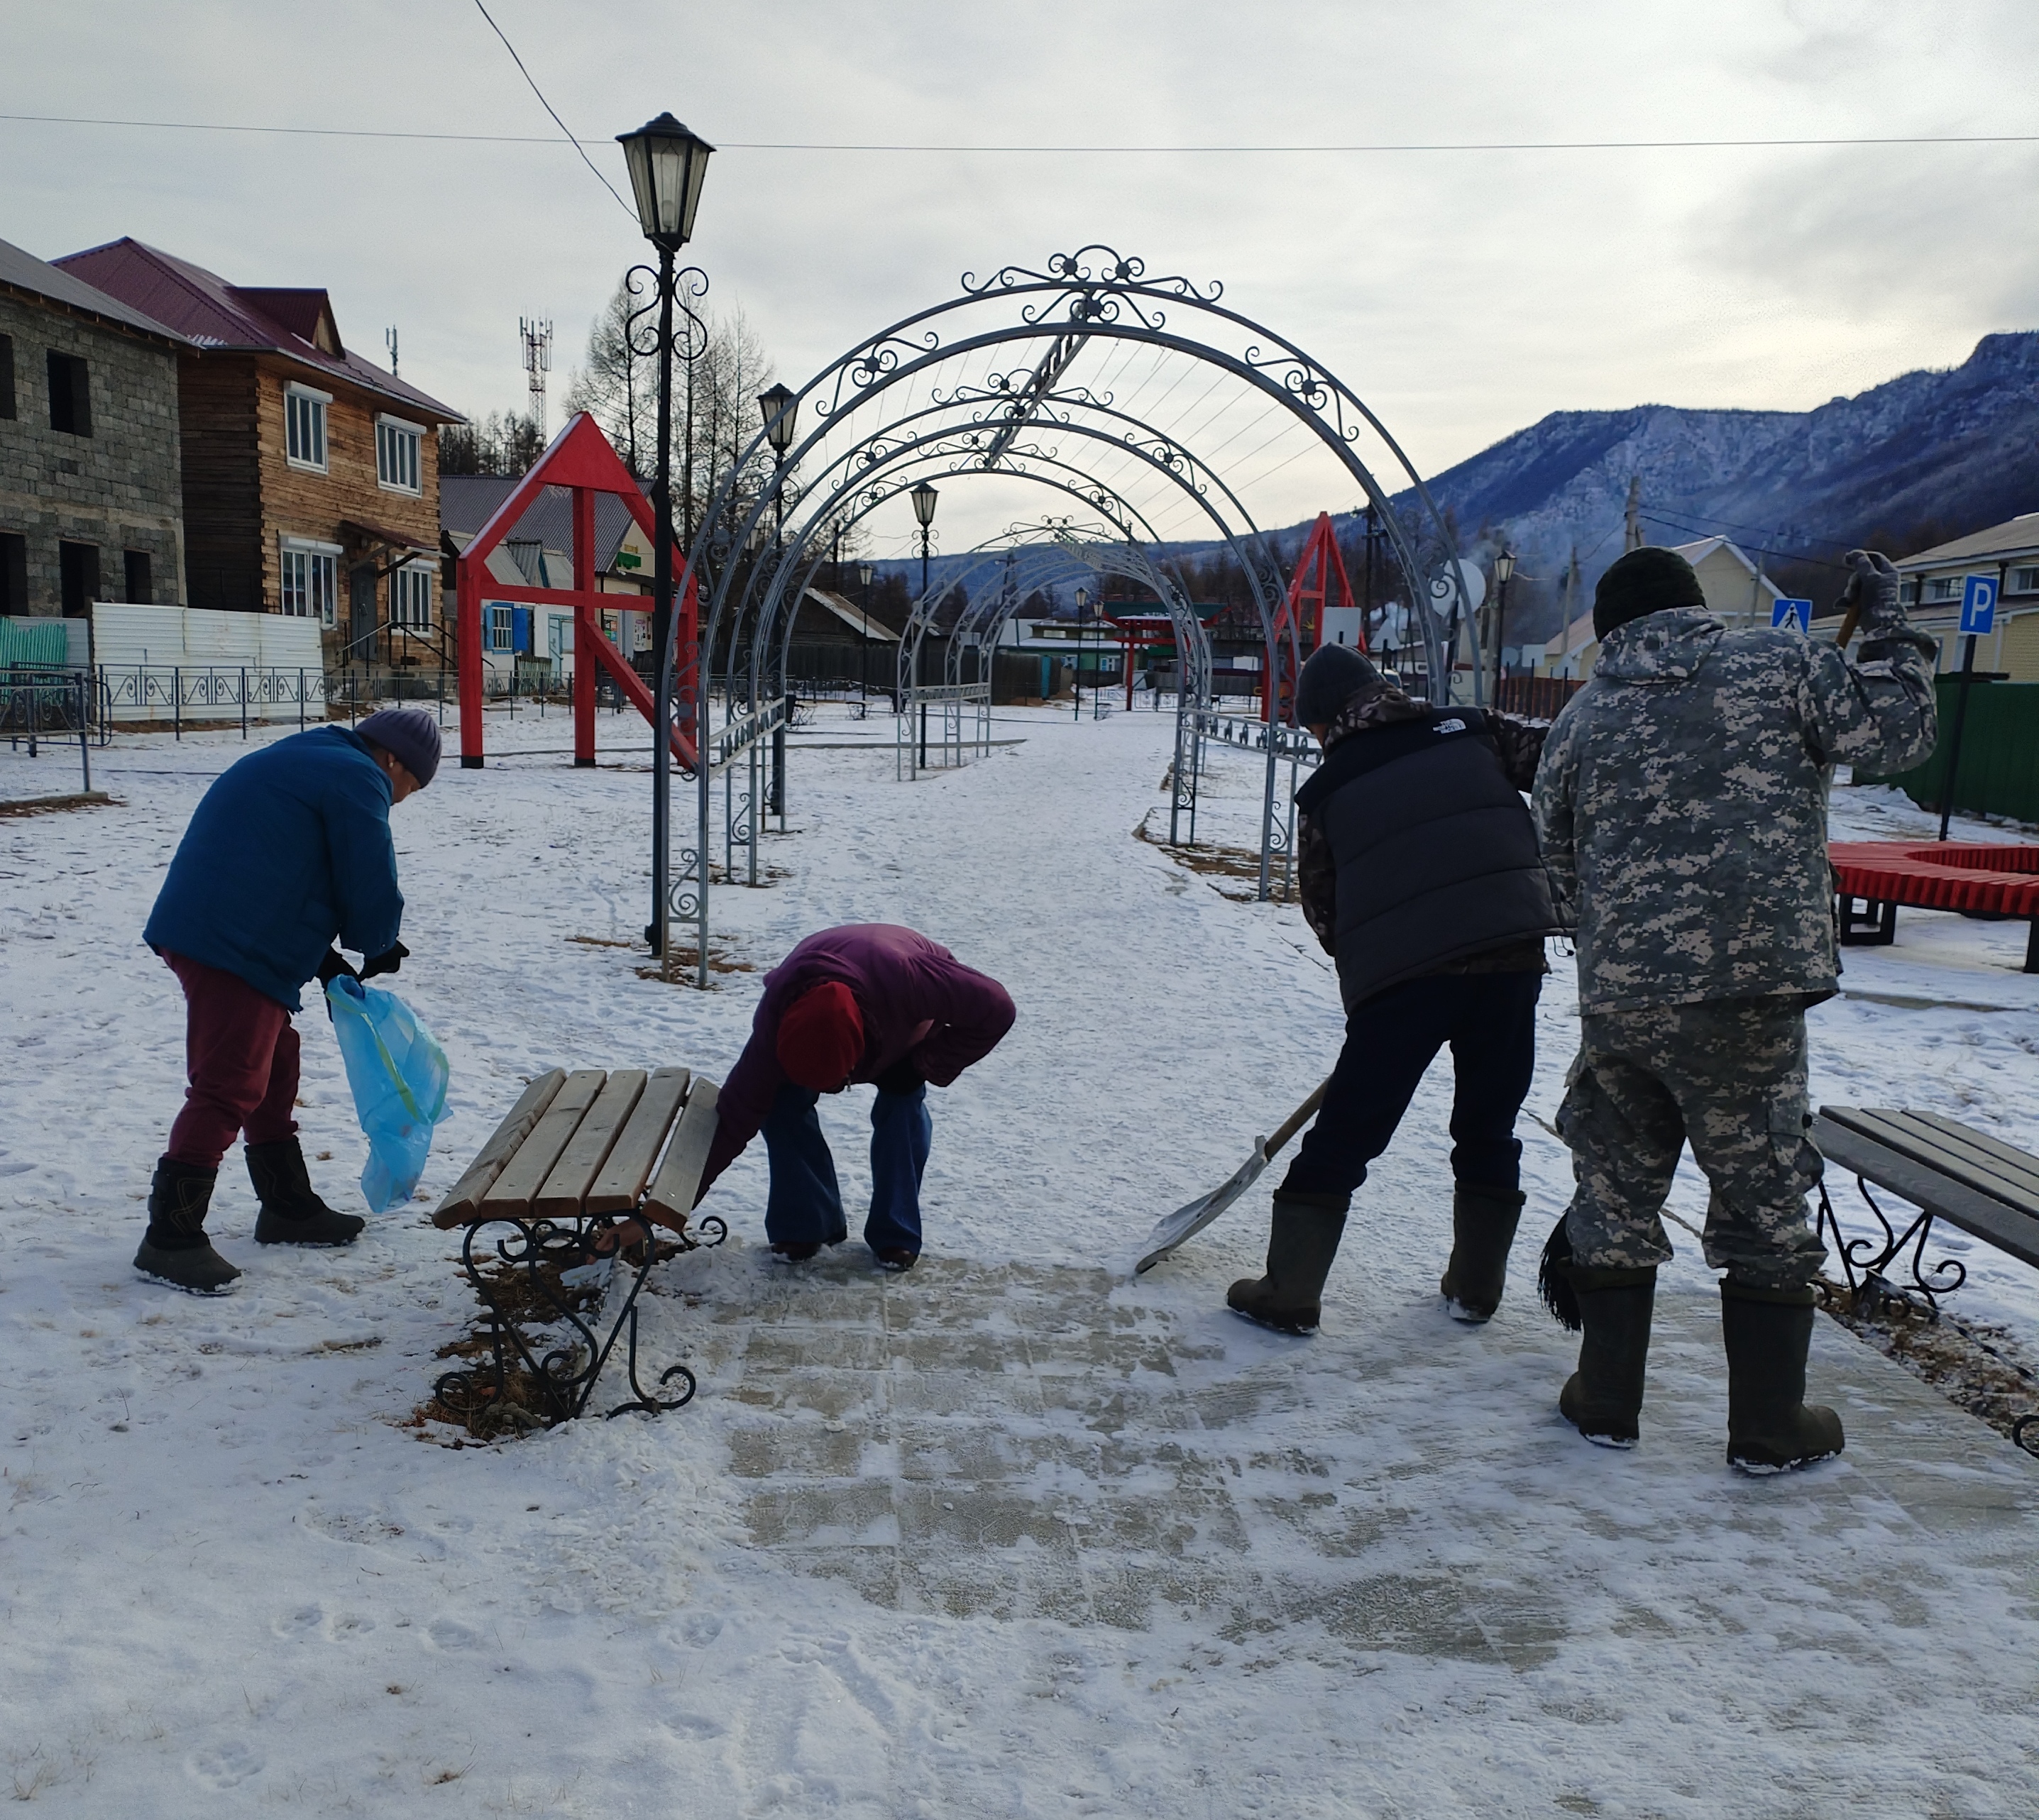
[
  {"x": 549, "y": 108},
  {"x": 1384, "y": 148}
]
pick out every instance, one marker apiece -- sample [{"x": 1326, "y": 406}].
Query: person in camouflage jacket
[{"x": 1682, "y": 805}]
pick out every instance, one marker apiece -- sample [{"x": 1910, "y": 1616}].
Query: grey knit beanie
[{"x": 409, "y": 735}]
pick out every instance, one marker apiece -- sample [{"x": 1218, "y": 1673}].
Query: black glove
[
  {"x": 1872, "y": 592},
  {"x": 332, "y": 966},
  {"x": 901, "y": 1078},
  {"x": 388, "y": 961}
]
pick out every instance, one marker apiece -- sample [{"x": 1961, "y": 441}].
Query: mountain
[{"x": 1925, "y": 456}]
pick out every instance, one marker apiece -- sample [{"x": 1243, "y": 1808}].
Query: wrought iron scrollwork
[
  {"x": 1864, "y": 1261},
  {"x": 537, "y": 1278}
]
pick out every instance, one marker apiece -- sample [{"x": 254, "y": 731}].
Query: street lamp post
[
  {"x": 1076, "y": 687},
  {"x": 668, "y": 166},
  {"x": 924, "y": 497},
  {"x": 1504, "y": 571},
  {"x": 863, "y": 645}
]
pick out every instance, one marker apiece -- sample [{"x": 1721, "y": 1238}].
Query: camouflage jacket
[{"x": 1682, "y": 801}]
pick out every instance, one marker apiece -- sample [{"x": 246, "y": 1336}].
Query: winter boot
[
  {"x": 1602, "y": 1399},
  {"x": 1770, "y": 1427},
  {"x": 175, "y": 1249},
  {"x": 292, "y": 1213},
  {"x": 1301, "y": 1243},
  {"x": 1483, "y": 1222}
]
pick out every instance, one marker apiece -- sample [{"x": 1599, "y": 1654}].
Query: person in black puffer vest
[{"x": 1421, "y": 876}]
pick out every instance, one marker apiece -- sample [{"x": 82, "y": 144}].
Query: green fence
[{"x": 1999, "y": 773}]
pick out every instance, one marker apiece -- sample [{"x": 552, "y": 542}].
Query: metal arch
[{"x": 1095, "y": 302}]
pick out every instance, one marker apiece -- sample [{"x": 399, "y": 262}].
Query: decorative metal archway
[{"x": 1093, "y": 297}]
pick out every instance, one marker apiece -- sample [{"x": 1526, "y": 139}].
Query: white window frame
[
  {"x": 305, "y": 563},
  {"x": 314, "y": 405},
  {"x": 418, "y": 580},
  {"x": 2024, "y": 579},
  {"x": 399, "y": 448},
  {"x": 501, "y": 630},
  {"x": 1942, "y": 589}
]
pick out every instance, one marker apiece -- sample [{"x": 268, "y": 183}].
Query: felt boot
[
  {"x": 175, "y": 1249},
  {"x": 1602, "y": 1399},
  {"x": 1301, "y": 1243},
  {"x": 1770, "y": 1427},
  {"x": 292, "y": 1213},
  {"x": 1483, "y": 1223}
]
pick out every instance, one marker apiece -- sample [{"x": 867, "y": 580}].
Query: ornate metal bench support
[
  {"x": 539, "y": 1254},
  {"x": 1864, "y": 1265}
]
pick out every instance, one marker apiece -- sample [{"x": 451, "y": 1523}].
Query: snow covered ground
[{"x": 1010, "y": 1535}]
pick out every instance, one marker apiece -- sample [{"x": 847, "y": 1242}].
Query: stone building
[
  {"x": 310, "y": 475},
  {"x": 91, "y": 487}
]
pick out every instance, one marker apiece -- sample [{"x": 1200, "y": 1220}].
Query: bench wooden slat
[
  {"x": 2013, "y": 1167},
  {"x": 588, "y": 1148},
  {"x": 622, "y": 1179},
  {"x": 518, "y": 1184},
  {"x": 1984, "y": 1216},
  {"x": 672, "y": 1196},
  {"x": 462, "y": 1204},
  {"x": 1952, "y": 1148}
]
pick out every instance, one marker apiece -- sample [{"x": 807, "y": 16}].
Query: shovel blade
[{"x": 1187, "y": 1221}]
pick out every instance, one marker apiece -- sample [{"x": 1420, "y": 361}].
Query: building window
[
  {"x": 559, "y": 637},
  {"x": 1944, "y": 588},
  {"x": 141, "y": 592},
  {"x": 311, "y": 583},
  {"x": 70, "y": 394},
  {"x": 13, "y": 573},
  {"x": 1908, "y": 592},
  {"x": 78, "y": 578},
  {"x": 411, "y": 599},
  {"x": 2024, "y": 582},
  {"x": 502, "y": 626},
  {"x": 304, "y": 413},
  {"x": 396, "y": 454},
  {"x": 6, "y": 376}
]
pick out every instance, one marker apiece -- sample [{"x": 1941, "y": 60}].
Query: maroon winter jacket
[{"x": 920, "y": 1004}]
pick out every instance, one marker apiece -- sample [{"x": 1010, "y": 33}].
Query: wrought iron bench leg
[{"x": 1863, "y": 1265}]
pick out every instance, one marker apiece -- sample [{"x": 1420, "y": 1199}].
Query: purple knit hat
[{"x": 409, "y": 735}]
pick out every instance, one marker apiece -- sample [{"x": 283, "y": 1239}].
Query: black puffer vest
[{"x": 1435, "y": 852}]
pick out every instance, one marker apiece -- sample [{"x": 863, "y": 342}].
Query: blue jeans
[{"x": 804, "y": 1206}]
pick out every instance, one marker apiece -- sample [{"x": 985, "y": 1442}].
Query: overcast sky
[{"x": 1462, "y": 294}]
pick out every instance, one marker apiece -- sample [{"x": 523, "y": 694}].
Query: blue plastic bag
[{"x": 399, "y": 1076}]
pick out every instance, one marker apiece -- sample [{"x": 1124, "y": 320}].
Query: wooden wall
[{"x": 218, "y": 430}]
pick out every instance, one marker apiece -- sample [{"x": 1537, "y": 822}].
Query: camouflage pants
[{"x": 1729, "y": 1076}]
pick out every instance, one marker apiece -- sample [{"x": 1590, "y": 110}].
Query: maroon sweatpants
[{"x": 240, "y": 1053}]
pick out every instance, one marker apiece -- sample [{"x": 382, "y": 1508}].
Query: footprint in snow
[
  {"x": 301, "y": 1623},
  {"x": 227, "y": 1765},
  {"x": 450, "y": 1633},
  {"x": 700, "y": 1628}
]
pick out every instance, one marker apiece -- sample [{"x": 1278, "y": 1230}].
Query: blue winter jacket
[{"x": 288, "y": 849}]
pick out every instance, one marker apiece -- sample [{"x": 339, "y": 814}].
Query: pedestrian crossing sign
[{"x": 1786, "y": 612}]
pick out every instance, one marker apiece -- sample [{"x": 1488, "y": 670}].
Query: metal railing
[
  {"x": 42, "y": 706},
  {"x": 961, "y": 704}
]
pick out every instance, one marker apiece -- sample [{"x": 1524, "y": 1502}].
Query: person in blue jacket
[{"x": 288, "y": 853}]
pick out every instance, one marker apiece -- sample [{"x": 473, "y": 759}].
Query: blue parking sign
[
  {"x": 1786, "y": 612},
  {"x": 1978, "y": 605}
]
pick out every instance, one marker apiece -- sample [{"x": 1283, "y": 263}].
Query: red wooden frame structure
[
  {"x": 1299, "y": 627},
  {"x": 581, "y": 460},
  {"x": 1143, "y": 633}
]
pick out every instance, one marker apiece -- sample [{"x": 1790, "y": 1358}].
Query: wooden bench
[
  {"x": 579, "y": 1156},
  {"x": 1994, "y": 881}
]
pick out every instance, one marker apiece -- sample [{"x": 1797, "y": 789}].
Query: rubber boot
[
  {"x": 292, "y": 1213},
  {"x": 1483, "y": 1223},
  {"x": 1770, "y": 1427},
  {"x": 1602, "y": 1399},
  {"x": 1301, "y": 1243},
  {"x": 175, "y": 1249}
]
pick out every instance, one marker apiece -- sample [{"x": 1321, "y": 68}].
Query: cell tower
[{"x": 538, "y": 362}]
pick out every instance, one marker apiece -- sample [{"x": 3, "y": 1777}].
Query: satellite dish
[{"x": 1443, "y": 597}]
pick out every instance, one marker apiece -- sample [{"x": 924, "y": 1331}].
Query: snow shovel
[{"x": 1186, "y": 1222}]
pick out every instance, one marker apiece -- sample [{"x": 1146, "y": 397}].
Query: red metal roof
[{"x": 211, "y": 312}]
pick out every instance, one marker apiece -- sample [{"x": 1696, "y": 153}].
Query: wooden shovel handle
[
  {"x": 1299, "y": 1118},
  {"x": 1847, "y": 625}
]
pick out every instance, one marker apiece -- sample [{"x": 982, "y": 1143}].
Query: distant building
[
  {"x": 310, "y": 476},
  {"x": 2009, "y": 553},
  {"x": 1737, "y": 593},
  {"x": 91, "y": 485}
]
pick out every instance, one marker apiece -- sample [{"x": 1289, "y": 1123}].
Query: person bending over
[
  {"x": 869, "y": 1002},
  {"x": 287, "y": 852}
]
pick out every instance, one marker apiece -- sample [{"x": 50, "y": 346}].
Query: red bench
[{"x": 1987, "y": 880}]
